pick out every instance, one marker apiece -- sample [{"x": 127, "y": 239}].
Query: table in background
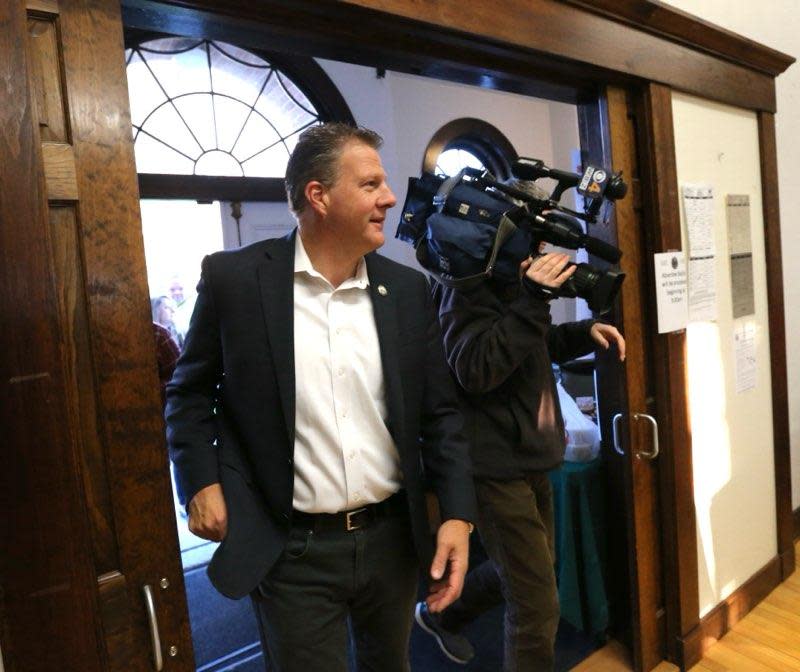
[{"x": 579, "y": 497}]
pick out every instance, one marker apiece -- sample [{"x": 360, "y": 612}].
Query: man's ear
[{"x": 317, "y": 197}]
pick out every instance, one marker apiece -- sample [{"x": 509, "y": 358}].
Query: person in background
[
  {"x": 499, "y": 343},
  {"x": 184, "y": 305},
  {"x": 167, "y": 353},
  {"x": 311, "y": 395},
  {"x": 163, "y": 309}
]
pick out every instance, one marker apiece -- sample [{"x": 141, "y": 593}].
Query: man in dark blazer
[{"x": 310, "y": 405}]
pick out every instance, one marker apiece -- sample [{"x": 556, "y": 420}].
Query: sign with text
[{"x": 671, "y": 291}]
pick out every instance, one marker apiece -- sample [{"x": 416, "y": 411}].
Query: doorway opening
[{"x": 536, "y": 127}]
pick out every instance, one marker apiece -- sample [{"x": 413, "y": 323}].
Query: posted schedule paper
[
  {"x": 698, "y": 207},
  {"x": 740, "y": 248},
  {"x": 671, "y": 294}
]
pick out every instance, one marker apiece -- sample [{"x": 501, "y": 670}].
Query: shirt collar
[{"x": 302, "y": 264}]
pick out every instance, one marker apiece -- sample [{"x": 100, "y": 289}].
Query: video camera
[{"x": 470, "y": 227}]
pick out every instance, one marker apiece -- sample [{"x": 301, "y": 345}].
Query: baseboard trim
[
  {"x": 729, "y": 612},
  {"x": 796, "y": 518}
]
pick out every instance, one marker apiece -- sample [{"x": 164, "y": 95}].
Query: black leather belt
[{"x": 356, "y": 519}]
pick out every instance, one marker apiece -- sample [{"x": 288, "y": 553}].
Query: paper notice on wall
[
  {"x": 698, "y": 206},
  {"x": 671, "y": 291},
  {"x": 740, "y": 249},
  {"x": 744, "y": 349},
  {"x": 702, "y": 290}
]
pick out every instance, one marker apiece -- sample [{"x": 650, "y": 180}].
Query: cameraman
[{"x": 499, "y": 342}]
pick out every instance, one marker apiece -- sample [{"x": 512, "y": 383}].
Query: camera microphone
[
  {"x": 533, "y": 169},
  {"x": 594, "y": 183},
  {"x": 602, "y": 249}
]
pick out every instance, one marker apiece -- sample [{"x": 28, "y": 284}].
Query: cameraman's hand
[
  {"x": 548, "y": 270},
  {"x": 605, "y": 335}
]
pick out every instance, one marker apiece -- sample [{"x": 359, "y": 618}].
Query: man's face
[
  {"x": 357, "y": 202},
  {"x": 176, "y": 291}
]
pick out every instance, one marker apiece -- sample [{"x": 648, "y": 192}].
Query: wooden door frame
[
  {"x": 79, "y": 367},
  {"x": 46, "y": 568},
  {"x": 629, "y": 42},
  {"x": 534, "y": 47}
]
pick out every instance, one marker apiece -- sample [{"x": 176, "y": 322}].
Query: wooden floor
[{"x": 766, "y": 640}]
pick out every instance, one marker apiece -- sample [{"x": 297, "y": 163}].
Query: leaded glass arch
[{"x": 204, "y": 107}]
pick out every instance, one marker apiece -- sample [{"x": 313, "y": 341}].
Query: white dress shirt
[{"x": 344, "y": 456}]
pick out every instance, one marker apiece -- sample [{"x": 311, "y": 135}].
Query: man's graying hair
[{"x": 316, "y": 157}]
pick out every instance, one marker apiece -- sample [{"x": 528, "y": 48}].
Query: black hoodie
[{"x": 499, "y": 343}]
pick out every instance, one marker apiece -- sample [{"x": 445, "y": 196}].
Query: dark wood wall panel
[
  {"x": 545, "y": 39},
  {"x": 47, "y": 78},
  {"x": 45, "y": 566},
  {"x": 68, "y": 276},
  {"x": 659, "y": 18},
  {"x": 115, "y": 614},
  {"x": 679, "y": 531},
  {"x": 646, "y": 556},
  {"x": 777, "y": 341},
  {"x": 120, "y": 327},
  {"x": 612, "y": 394},
  {"x": 59, "y": 171}
]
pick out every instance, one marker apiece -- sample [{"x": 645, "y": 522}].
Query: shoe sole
[{"x": 421, "y": 623}]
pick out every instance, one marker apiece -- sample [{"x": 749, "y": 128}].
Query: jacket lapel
[
  {"x": 384, "y": 307},
  {"x": 276, "y": 283}
]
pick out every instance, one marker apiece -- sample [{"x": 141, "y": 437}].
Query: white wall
[
  {"x": 407, "y": 110},
  {"x": 732, "y": 457},
  {"x": 776, "y": 23}
]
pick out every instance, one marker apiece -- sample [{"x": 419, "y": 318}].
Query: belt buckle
[{"x": 350, "y": 526}]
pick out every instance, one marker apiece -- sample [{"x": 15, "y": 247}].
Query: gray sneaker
[{"x": 455, "y": 646}]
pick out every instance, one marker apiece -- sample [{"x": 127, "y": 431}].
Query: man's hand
[
  {"x": 548, "y": 270},
  {"x": 605, "y": 334},
  {"x": 208, "y": 515},
  {"x": 449, "y": 565}
]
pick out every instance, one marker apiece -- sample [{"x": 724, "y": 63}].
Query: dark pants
[
  {"x": 517, "y": 530},
  {"x": 369, "y": 575}
]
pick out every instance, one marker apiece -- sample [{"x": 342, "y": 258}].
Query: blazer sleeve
[
  {"x": 445, "y": 452},
  {"x": 485, "y": 340},
  {"x": 192, "y": 395}
]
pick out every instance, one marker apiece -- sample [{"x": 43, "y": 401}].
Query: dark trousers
[
  {"x": 324, "y": 578},
  {"x": 517, "y": 530}
]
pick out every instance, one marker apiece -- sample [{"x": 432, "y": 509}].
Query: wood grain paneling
[
  {"x": 730, "y": 611},
  {"x": 43, "y": 6},
  {"x": 59, "y": 172},
  {"x": 764, "y": 640},
  {"x": 662, "y": 217},
  {"x": 646, "y": 551},
  {"x": 115, "y": 614},
  {"x": 45, "y": 567},
  {"x": 542, "y": 39},
  {"x": 612, "y": 397},
  {"x": 608, "y": 137},
  {"x": 777, "y": 341},
  {"x": 68, "y": 275},
  {"x": 47, "y": 79},
  {"x": 659, "y": 18},
  {"x": 120, "y": 331}
]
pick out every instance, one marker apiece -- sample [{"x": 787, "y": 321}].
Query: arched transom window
[{"x": 203, "y": 107}]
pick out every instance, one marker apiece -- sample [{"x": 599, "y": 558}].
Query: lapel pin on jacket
[{"x": 382, "y": 290}]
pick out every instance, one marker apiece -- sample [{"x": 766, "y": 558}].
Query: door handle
[
  {"x": 615, "y": 433},
  {"x": 152, "y": 621},
  {"x": 643, "y": 454}
]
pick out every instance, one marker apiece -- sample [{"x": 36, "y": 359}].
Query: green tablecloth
[{"x": 579, "y": 497}]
